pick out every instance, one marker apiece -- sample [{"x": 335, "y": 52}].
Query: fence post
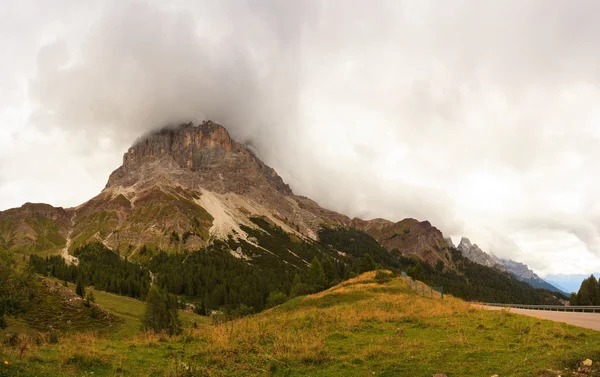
[{"x": 442, "y": 292}]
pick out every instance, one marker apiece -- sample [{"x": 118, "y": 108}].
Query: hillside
[{"x": 357, "y": 328}]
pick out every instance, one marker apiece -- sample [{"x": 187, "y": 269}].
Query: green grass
[
  {"x": 132, "y": 310},
  {"x": 358, "y": 328}
]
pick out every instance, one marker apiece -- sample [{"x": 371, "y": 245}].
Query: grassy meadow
[{"x": 357, "y": 328}]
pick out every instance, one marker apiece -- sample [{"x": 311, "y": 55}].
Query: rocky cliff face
[
  {"x": 520, "y": 270},
  {"x": 196, "y": 156}
]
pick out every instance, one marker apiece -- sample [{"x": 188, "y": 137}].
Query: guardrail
[{"x": 556, "y": 308}]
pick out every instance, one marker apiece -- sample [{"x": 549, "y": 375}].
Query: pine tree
[
  {"x": 161, "y": 313},
  {"x": 416, "y": 272},
  {"x": 366, "y": 263},
  {"x": 299, "y": 288},
  {"x": 330, "y": 271},
  {"x": 589, "y": 293},
  {"x": 80, "y": 289},
  {"x": 316, "y": 280}
]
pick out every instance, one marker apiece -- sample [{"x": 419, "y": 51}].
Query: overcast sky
[{"x": 482, "y": 117}]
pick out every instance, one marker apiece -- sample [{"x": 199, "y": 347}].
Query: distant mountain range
[
  {"x": 519, "y": 270},
  {"x": 569, "y": 282}
]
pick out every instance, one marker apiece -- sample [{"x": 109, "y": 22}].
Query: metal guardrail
[{"x": 556, "y": 308}]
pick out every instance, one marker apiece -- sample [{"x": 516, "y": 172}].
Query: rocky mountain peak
[
  {"x": 184, "y": 143},
  {"x": 475, "y": 254},
  {"x": 196, "y": 156},
  {"x": 465, "y": 244}
]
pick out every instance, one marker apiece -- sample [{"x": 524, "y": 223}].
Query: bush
[
  {"x": 382, "y": 276},
  {"x": 276, "y": 298}
]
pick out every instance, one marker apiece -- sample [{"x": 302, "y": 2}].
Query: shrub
[
  {"x": 276, "y": 298},
  {"x": 382, "y": 276}
]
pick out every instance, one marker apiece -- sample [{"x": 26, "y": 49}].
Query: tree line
[
  {"x": 99, "y": 267},
  {"x": 18, "y": 288},
  {"x": 588, "y": 294},
  {"x": 470, "y": 281}
]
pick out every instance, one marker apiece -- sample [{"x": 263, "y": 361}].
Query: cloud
[{"x": 479, "y": 116}]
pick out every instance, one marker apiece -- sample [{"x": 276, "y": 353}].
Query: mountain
[
  {"x": 204, "y": 217},
  {"x": 523, "y": 273},
  {"x": 519, "y": 270},
  {"x": 475, "y": 254},
  {"x": 182, "y": 187},
  {"x": 176, "y": 189},
  {"x": 34, "y": 228}
]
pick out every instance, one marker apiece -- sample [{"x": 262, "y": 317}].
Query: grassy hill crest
[{"x": 356, "y": 328}]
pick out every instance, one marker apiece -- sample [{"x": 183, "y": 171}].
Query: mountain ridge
[{"x": 520, "y": 270}]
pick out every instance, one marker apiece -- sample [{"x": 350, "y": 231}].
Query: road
[{"x": 586, "y": 320}]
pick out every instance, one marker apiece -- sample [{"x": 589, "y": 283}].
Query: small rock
[{"x": 587, "y": 363}]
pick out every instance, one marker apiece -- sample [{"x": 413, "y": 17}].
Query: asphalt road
[{"x": 587, "y": 320}]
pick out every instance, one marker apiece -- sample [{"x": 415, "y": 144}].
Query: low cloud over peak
[{"x": 479, "y": 116}]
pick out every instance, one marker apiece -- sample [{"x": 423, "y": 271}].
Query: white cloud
[{"x": 482, "y": 117}]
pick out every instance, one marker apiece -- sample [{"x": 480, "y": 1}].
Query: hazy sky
[{"x": 480, "y": 116}]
